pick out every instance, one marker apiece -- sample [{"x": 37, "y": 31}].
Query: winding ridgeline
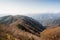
[{"x": 24, "y": 23}]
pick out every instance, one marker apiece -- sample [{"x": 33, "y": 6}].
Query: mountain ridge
[{"x": 23, "y": 22}]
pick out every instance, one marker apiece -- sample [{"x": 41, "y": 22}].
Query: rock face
[{"x": 22, "y": 22}]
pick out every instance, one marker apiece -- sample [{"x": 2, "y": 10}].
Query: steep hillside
[
  {"x": 21, "y": 26},
  {"x": 26, "y": 26},
  {"x": 51, "y": 34},
  {"x": 15, "y": 34},
  {"x": 27, "y": 20}
]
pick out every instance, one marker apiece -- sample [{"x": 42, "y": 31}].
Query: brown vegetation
[
  {"x": 13, "y": 33},
  {"x": 20, "y": 28},
  {"x": 51, "y": 34}
]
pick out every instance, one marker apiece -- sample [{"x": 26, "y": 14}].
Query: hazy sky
[{"x": 29, "y": 6}]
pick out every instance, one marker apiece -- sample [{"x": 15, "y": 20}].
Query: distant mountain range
[{"x": 45, "y": 19}]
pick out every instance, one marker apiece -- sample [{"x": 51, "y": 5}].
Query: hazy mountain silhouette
[
  {"x": 45, "y": 19},
  {"x": 56, "y": 22}
]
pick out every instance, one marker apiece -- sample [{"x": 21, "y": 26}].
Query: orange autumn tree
[{"x": 51, "y": 34}]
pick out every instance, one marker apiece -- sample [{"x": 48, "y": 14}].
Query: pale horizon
[{"x": 23, "y": 7}]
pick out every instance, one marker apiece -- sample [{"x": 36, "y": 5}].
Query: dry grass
[
  {"x": 7, "y": 33},
  {"x": 51, "y": 34}
]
